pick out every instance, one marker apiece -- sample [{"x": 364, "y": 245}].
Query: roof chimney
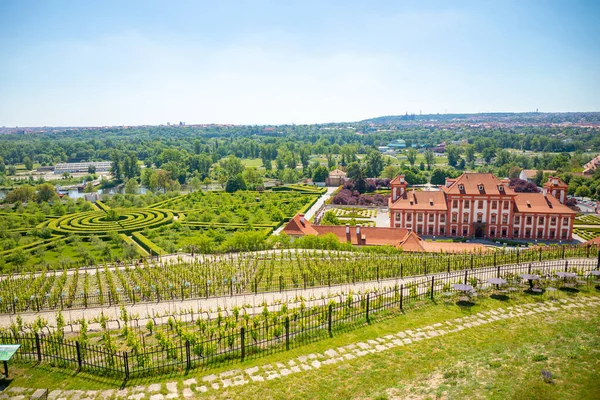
[{"x": 544, "y": 192}]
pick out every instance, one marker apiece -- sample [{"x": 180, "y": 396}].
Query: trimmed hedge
[
  {"x": 102, "y": 206},
  {"x": 147, "y": 244}
]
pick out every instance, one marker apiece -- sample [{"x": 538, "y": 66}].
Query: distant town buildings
[
  {"x": 591, "y": 167},
  {"x": 101, "y": 166},
  {"x": 530, "y": 174}
]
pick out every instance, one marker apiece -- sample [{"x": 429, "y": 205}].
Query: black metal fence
[
  {"x": 279, "y": 333},
  {"x": 365, "y": 268}
]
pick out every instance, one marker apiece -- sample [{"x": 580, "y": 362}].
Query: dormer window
[
  {"x": 500, "y": 188},
  {"x": 480, "y": 187},
  {"x": 461, "y": 187}
]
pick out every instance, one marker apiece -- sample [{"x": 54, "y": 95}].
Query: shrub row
[{"x": 147, "y": 244}]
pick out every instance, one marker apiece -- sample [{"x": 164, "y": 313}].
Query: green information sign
[{"x": 7, "y": 351}]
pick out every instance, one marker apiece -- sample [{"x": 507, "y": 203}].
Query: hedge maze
[
  {"x": 96, "y": 223},
  {"x": 92, "y": 234}
]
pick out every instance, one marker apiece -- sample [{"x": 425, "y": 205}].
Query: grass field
[{"x": 500, "y": 360}]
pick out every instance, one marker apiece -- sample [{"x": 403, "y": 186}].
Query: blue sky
[{"x": 133, "y": 62}]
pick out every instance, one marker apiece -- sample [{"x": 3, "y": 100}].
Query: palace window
[
  {"x": 408, "y": 217},
  {"x": 506, "y": 205},
  {"x": 528, "y": 233},
  {"x": 493, "y": 218},
  {"x": 565, "y": 221},
  {"x": 465, "y": 217},
  {"x": 492, "y": 232},
  {"x": 419, "y": 217},
  {"x": 504, "y": 232},
  {"x": 540, "y": 220},
  {"x": 505, "y": 219},
  {"x": 455, "y": 217},
  {"x": 480, "y": 204},
  {"x": 431, "y": 217},
  {"x": 454, "y": 203},
  {"x": 528, "y": 220},
  {"x": 564, "y": 234},
  {"x": 552, "y": 233},
  {"x": 465, "y": 231},
  {"x": 540, "y": 233},
  {"x": 443, "y": 218},
  {"x": 494, "y": 205},
  {"x": 517, "y": 220},
  {"x": 479, "y": 217},
  {"x": 442, "y": 231},
  {"x": 516, "y": 232},
  {"x": 467, "y": 203}
]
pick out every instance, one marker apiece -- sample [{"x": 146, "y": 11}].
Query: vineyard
[
  {"x": 249, "y": 273},
  {"x": 204, "y": 339},
  {"x": 39, "y": 237}
]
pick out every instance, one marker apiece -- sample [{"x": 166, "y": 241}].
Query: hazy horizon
[{"x": 265, "y": 63}]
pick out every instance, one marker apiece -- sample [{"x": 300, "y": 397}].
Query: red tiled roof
[
  {"x": 471, "y": 181},
  {"x": 559, "y": 183},
  {"x": 414, "y": 244},
  {"x": 299, "y": 226},
  {"x": 396, "y": 180},
  {"x": 369, "y": 236},
  {"x": 337, "y": 172},
  {"x": 538, "y": 203},
  {"x": 419, "y": 200}
]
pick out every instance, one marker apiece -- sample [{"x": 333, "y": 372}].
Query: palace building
[{"x": 481, "y": 205}]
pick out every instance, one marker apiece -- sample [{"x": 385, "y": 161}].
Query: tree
[
  {"x": 235, "y": 183},
  {"x": 289, "y": 176},
  {"x": 91, "y": 169},
  {"x": 28, "y": 163},
  {"x": 115, "y": 168},
  {"x": 470, "y": 153},
  {"x": 330, "y": 219},
  {"x": 89, "y": 188},
  {"x": 22, "y": 194},
  {"x": 373, "y": 164},
  {"x": 488, "y": 153},
  {"x": 45, "y": 192},
  {"x": 453, "y": 154},
  {"x": 438, "y": 177},
  {"x": 195, "y": 183},
  {"x": 354, "y": 170},
  {"x": 131, "y": 187},
  {"x": 411, "y": 155},
  {"x": 582, "y": 191},
  {"x": 390, "y": 172},
  {"x": 206, "y": 182},
  {"x": 232, "y": 166},
  {"x": 429, "y": 159},
  {"x": 514, "y": 172},
  {"x": 252, "y": 177},
  {"x": 320, "y": 174}
]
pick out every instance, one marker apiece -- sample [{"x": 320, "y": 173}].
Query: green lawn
[{"x": 499, "y": 360}]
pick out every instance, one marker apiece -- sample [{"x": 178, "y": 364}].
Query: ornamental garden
[{"x": 126, "y": 227}]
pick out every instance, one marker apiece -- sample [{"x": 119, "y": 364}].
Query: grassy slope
[{"x": 496, "y": 360}]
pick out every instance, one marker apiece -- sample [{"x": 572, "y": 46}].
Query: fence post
[
  {"x": 598, "y": 264},
  {"x": 566, "y": 265},
  {"x": 498, "y": 274},
  {"x": 85, "y": 303},
  {"x": 494, "y": 260},
  {"x": 38, "y": 347},
  {"x": 425, "y": 264},
  {"x": 472, "y": 260},
  {"x": 243, "y": 342},
  {"x": 304, "y": 278},
  {"x": 126, "y": 364},
  {"x": 79, "y": 360},
  {"x": 563, "y": 252},
  {"x": 402, "y": 267},
  {"x": 401, "y": 297},
  {"x": 378, "y": 273},
  {"x": 529, "y": 269},
  {"x": 448, "y": 265},
  {"x": 466, "y": 276},
  {"x": 231, "y": 287},
  {"x": 280, "y": 283},
  {"x": 518, "y": 258},
  {"x": 133, "y": 295},
  {"x": 367, "y": 308},
  {"x": 540, "y": 256},
  {"x": 287, "y": 333},
  {"x": 188, "y": 355},
  {"x": 109, "y": 299},
  {"x": 329, "y": 278},
  {"x": 432, "y": 286}
]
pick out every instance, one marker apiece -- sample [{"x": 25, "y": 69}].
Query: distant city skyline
[{"x": 265, "y": 62}]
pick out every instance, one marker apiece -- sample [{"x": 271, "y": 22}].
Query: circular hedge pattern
[{"x": 96, "y": 223}]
